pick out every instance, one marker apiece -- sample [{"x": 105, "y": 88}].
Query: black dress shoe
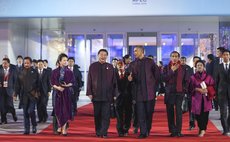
[
  {"x": 4, "y": 122},
  {"x": 34, "y": 129},
  {"x": 179, "y": 135},
  {"x": 26, "y": 133},
  {"x": 173, "y": 135},
  {"x": 142, "y": 136}
]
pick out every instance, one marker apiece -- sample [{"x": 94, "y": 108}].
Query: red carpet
[{"x": 82, "y": 129}]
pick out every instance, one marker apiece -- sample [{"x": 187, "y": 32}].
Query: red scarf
[{"x": 179, "y": 86}]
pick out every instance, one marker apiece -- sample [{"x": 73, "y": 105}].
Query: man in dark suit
[
  {"x": 19, "y": 68},
  {"x": 27, "y": 85},
  {"x": 44, "y": 89},
  {"x": 222, "y": 78},
  {"x": 101, "y": 89},
  {"x": 176, "y": 78},
  {"x": 190, "y": 71},
  {"x": 218, "y": 60},
  {"x": 7, "y": 82},
  {"x": 78, "y": 84},
  {"x": 47, "y": 67},
  {"x": 144, "y": 73}
]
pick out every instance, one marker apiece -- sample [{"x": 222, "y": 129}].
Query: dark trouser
[
  {"x": 124, "y": 114},
  {"x": 225, "y": 114},
  {"x": 101, "y": 117},
  {"x": 202, "y": 118},
  {"x": 29, "y": 113},
  {"x": 42, "y": 108},
  {"x": 215, "y": 103},
  {"x": 175, "y": 126},
  {"x": 191, "y": 115},
  {"x": 74, "y": 99},
  {"x": 134, "y": 116},
  {"x": 7, "y": 105},
  {"x": 145, "y": 114}
]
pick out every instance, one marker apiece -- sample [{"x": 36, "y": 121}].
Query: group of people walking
[{"x": 130, "y": 86}]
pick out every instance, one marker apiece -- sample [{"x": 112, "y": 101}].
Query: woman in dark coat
[
  {"x": 62, "y": 79},
  {"x": 201, "y": 103}
]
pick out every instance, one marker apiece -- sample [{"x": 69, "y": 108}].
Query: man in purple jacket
[
  {"x": 144, "y": 74},
  {"x": 101, "y": 89},
  {"x": 176, "y": 78}
]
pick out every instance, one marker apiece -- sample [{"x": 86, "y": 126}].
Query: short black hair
[
  {"x": 210, "y": 57},
  {"x": 28, "y": 58},
  {"x": 6, "y": 59},
  {"x": 45, "y": 61},
  {"x": 19, "y": 56},
  {"x": 102, "y": 50},
  {"x": 150, "y": 56},
  {"x": 199, "y": 61},
  {"x": 114, "y": 59},
  {"x": 183, "y": 57},
  {"x": 196, "y": 57},
  {"x": 71, "y": 58},
  {"x": 40, "y": 60},
  {"x": 175, "y": 52},
  {"x": 140, "y": 47},
  {"x": 222, "y": 49},
  {"x": 225, "y": 50},
  {"x": 34, "y": 60},
  {"x": 127, "y": 56}
]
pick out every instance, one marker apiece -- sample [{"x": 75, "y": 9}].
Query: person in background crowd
[
  {"x": 19, "y": 68},
  {"x": 114, "y": 62},
  {"x": 27, "y": 85},
  {"x": 190, "y": 71},
  {"x": 124, "y": 100},
  {"x": 45, "y": 62},
  {"x": 127, "y": 60},
  {"x": 101, "y": 89},
  {"x": 210, "y": 65},
  {"x": 218, "y": 60},
  {"x": 222, "y": 76},
  {"x": 78, "y": 84},
  {"x": 62, "y": 80},
  {"x": 176, "y": 77},
  {"x": 34, "y": 63},
  {"x": 7, "y": 82},
  {"x": 144, "y": 74},
  {"x": 44, "y": 89},
  {"x": 201, "y": 103}
]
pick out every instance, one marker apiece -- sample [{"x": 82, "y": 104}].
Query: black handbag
[{"x": 185, "y": 104}]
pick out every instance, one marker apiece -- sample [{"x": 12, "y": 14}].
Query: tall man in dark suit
[
  {"x": 176, "y": 79},
  {"x": 144, "y": 74},
  {"x": 7, "y": 83},
  {"x": 19, "y": 68},
  {"x": 218, "y": 60},
  {"x": 223, "y": 88},
  {"x": 78, "y": 83},
  {"x": 27, "y": 85},
  {"x": 44, "y": 89},
  {"x": 101, "y": 89}
]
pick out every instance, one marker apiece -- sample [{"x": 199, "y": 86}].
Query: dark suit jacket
[
  {"x": 152, "y": 74},
  {"x": 78, "y": 78},
  {"x": 27, "y": 81},
  {"x": 110, "y": 82},
  {"x": 44, "y": 82},
  {"x": 222, "y": 80},
  {"x": 11, "y": 80}
]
